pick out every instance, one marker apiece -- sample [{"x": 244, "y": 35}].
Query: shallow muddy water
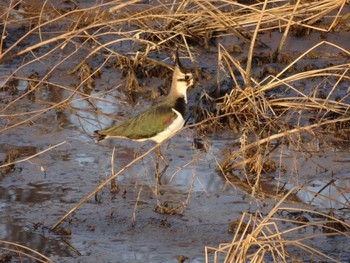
[{"x": 125, "y": 226}]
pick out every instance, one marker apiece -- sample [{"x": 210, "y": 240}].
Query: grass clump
[{"x": 262, "y": 238}]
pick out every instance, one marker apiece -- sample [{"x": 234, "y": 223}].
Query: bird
[{"x": 160, "y": 121}]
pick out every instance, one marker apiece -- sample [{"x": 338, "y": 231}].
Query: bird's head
[{"x": 182, "y": 79}]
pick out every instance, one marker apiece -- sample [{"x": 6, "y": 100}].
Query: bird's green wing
[{"x": 145, "y": 125}]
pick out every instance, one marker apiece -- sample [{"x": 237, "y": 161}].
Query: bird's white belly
[{"x": 176, "y": 125}]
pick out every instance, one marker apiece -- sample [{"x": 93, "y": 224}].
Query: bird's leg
[
  {"x": 166, "y": 165},
  {"x": 114, "y": 186}
]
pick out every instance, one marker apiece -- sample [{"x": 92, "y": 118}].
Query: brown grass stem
[
  {"x": 248, "y": 71},
  {"x": 19, "y": 249}
]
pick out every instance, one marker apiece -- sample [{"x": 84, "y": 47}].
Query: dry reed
[
  {"x": 259, "y": 238},
  {"x": 24, "y": 253}
]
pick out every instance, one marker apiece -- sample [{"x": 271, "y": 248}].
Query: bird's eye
[{"x": 187, "y": 77}]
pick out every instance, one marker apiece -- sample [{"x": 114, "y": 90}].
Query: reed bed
[
  {"x": 276, "y": 115},
  {"x": 97, "y": 31}
]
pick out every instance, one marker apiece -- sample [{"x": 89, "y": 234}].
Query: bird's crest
[{"x": 177, "y": 60}]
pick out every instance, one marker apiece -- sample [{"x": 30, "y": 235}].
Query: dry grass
[
  {"x": 277, "y": 119},
  {"x": 127, "y": 37},
  {"x": 98, "y": 29},
  {"x": 263, "y": 238},
  {"x": 24, "y": 253}
]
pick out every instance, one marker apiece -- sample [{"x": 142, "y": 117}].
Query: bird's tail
[{"x": 99, "y": 136}]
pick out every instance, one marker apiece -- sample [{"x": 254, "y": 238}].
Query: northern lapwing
[{"x": 159, "y": 121}]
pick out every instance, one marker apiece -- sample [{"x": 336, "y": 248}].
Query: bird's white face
[{"x": 181, "y": 82}]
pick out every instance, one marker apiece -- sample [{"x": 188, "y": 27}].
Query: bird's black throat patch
[{"x": 180, "y": 106}]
